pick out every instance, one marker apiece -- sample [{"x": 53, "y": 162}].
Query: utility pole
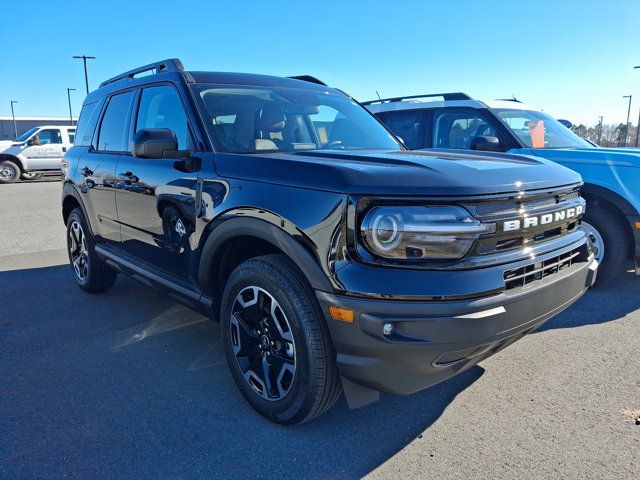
[
  {"x": 600, "y": 129},
  {"x": 84, "y": 60},
  {"x": 69, "y": 90},
  {"x": 626, "y": 126},
  {"x": 13, "y": 115}
]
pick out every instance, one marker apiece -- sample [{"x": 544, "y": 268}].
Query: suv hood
[
  {"x": 432, "y": 172},
  {"x": 4, "y": 144},
  {"x": 619, "y": 157}
]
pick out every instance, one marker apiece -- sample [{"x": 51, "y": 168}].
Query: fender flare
[
  {"x": 254, "y": 227},
  {"x": 591, "y": 189},
  {"x": 69, "y": 190},
  {"x": 12, "y": 158}
]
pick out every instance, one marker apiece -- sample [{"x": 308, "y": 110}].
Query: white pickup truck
[{"x": 35, "y": 153}]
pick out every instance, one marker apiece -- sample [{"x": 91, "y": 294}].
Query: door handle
[
  {"x": 128, "y": 177},
  {"x": 64, "y": 149}
]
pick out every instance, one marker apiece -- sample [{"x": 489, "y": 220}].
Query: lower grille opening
[{"x": 522, "y": 276}]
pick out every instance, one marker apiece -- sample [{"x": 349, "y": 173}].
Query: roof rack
[
  {"x": 446, "y": 96},
  {"x": 309, "y": 78},
  {"x": 169, "y": 65}
]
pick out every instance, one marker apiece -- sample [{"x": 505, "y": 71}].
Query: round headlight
[{"x": 386, "y": 232}]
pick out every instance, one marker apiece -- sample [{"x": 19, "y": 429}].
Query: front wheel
[
  {"x": 608, "y": 237},
  {"x": 91, "y": 274},
  {"x": 276, "y": 341},
  {"x": 9, "y": 172}
]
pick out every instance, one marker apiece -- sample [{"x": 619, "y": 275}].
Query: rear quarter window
[{"x": 86, "y": 124}]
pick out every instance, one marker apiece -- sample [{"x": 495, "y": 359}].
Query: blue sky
[{"x": 572, "y": 58}]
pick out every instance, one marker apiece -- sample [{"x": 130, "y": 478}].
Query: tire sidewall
[
  {"x": 286, "y": 408},
  {"x": 14, "y": 167},
  {"x": 614, "y": 238}
]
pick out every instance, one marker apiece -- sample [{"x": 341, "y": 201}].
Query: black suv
[{"x": 333, "y": 258}]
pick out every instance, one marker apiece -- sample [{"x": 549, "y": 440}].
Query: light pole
[
  {"x": 626, "y": 126},
  {"x": 637, "y": 126},
  {"x": 13, "y": 116},
  {"x": 69, "y": 90},
  {"x": 84, "y": 60},
  {"x": 600, "y": 129}
]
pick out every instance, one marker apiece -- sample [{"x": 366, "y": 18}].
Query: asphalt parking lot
[{"x": 129, "y": 384}]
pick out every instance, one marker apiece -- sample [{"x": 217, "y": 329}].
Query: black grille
[
  {"x": 537, "y": 271},
  {"x": 505, "y": 208}
]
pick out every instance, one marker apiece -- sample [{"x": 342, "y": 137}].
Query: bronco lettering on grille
[{"x": 534, "y": 221}]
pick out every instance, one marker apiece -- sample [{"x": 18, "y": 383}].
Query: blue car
[{"x": 610, "y": 175}]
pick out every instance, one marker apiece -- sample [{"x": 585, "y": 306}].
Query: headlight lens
[{"x": 421, "y": 233}]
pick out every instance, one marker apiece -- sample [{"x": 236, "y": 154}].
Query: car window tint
[
  {"x": 160, "y": 107},
  {"x": 114, "y": 123},
  {"x": 456, "y": 128},
  {"x": 45, "y": 137},
  {"x": 72, "y": 135},
  {"x": 408, "y": 125}
]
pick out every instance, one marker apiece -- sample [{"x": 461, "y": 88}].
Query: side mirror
[
  {"x": 155, "y": 143},
  {"x": 485, "y": 143},
  {"x": 30, "y": 142}
]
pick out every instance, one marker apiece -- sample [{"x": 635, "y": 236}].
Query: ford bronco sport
[
  {"x": 333, "y": 258},
  {"x": 611, "y": 182}
]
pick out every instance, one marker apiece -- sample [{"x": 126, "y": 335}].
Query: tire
[
  {"x": 609, "y": 237},
  {"x": 9, "y": 172},
  {"x": 31, "y": 176},
  {"x": 273, "y": 289},
  {"x": 91, "y": 274}
]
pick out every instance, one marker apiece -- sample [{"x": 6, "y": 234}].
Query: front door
[
  {"x": 45, "y": 149},
  {"x": 155, "y": 200}
]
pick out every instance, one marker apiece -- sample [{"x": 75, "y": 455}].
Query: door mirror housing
[
  {"x": 485, "y": 143},
  {"x": 155, "y": 143}
]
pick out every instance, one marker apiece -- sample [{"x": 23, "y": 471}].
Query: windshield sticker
[{"x": 536, "y": 130}]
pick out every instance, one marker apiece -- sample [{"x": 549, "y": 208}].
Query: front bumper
[{"x": 434, "y": 340}]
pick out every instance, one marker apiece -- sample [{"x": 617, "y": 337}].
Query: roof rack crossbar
[
  {"x": 308, "y": 78},
  {"x": 446, "y": 96},
  {"x": 169, "y": 65}
]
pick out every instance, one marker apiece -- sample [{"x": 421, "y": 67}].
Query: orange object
[
  {"x": 342, "y": 314},
  {"x": 536, "y": 130},
  {"x": 638, "y": 225}
]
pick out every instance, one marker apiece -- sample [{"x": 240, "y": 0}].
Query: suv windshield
[
  {"x": 26, "y": 134},
  {"x": 273, "y": 119},
  {"x": 539, "y": 130}
]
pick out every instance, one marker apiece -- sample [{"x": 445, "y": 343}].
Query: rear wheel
[
  {"x": 9, "y": 172},
  {"x": 31, "y": 176},
  {"x": 276, "y": 341},
  {"x": 91, "y": 274},
  {"x": 608, "y": 237}
]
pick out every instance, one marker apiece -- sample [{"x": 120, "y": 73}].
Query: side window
[
  {"x": 456, "y": 128},
  {"x": 160, "y": 107},
  {"x": 71, "y": 134},
  {"x": 408, "y": 125},
  {"x": 114, "y": 126},
  {"x": 45, "y": 137},
  {"x": 87, "y": 123}
]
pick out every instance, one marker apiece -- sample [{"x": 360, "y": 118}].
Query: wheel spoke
[{"x": 262, "y": 342}]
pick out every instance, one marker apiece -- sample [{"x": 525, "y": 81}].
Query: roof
[{"x": 415, "y": 103}]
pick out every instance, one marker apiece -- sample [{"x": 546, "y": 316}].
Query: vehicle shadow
[
  {"x": 600, "y": 305},
  {"x": 130, "y": 384}
]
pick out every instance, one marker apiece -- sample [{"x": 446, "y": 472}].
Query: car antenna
[{"x": 379, "y": 97}]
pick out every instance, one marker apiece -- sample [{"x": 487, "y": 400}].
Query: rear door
[
  {"x": 155, "y": 200},
  {"x": 97, "y": 167}
]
